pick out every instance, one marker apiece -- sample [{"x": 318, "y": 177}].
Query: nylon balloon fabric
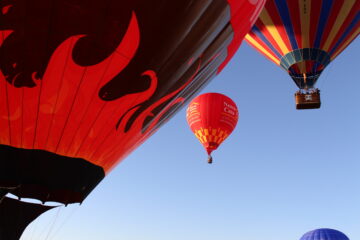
[
  {"x": 84, "y": 82},
  {"x": 304, "y": 36},
  {"x": 324, "y": 234},
  {"x": 212, "y": 117}
]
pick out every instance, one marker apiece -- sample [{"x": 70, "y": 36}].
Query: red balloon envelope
[
  {"x": 84, "y": 82},
  {"x": 212, "y": 117}
]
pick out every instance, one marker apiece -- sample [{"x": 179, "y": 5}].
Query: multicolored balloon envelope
[
  {"x": 212, "y": 117},
  {"x": 324, "y": 234},
  {"x": 84, "y": 82},
  {"x": 303, "y": 37}
]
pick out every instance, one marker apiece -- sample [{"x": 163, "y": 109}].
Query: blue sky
[{"x": 280, "y": 174}]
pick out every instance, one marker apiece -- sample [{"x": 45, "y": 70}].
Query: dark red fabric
[{"x": 93, "y": 80}]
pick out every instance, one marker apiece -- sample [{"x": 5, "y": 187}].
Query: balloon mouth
[
  {"x": 17, "y": 215},
  {"x": 209, "y": 151},
  {"x": 46, "y": 176},
  {"x": 211, "y": 146}
]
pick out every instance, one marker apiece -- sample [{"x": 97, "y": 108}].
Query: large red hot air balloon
[
  {"x": 212, "y": 117},
  {"x": 84, "y": 82}
]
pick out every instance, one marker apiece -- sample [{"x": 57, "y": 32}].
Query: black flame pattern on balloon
[{"x": 32, "y": 32}]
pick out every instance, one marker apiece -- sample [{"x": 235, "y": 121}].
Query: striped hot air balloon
[
  {"x": 212, "y": 117},
  {"x": 303, "y": 37}
]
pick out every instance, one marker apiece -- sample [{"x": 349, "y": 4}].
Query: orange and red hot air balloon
[{"x": 212, "y": 117}]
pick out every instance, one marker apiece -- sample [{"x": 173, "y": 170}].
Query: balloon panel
[{"x": 82, "y": 84}]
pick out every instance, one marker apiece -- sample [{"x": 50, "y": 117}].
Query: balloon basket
[
  {"x": 210, "y": 160},
  {"x": 308, "y": 100}
]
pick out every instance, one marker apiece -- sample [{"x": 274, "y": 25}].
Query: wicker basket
[{"x": 307, "y": 100}]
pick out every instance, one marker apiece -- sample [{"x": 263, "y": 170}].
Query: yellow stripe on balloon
[
  {"x": 343, "y": 46},
  {"x": 344, "y": 12},
  {"x": 305, "y": 9},
  {"x": 206, "y": 131},
  {"x": 270, "y": 26},
  {"x": 256, "y": 45}
]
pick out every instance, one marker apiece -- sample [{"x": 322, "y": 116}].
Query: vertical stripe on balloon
[
  {"x": 283, "y": 9},
  {"x": 305, "y": 10},
  {"x": 266, "y": 42},
  {"x": 324, "y": 14},
  {"x": 272, "y": 29},
  {"x": 258, "y": 46},
  {"x": 343, "y": 46},
  {"x": 347, "y": 32},
  {"x": 345, "y": 9}
]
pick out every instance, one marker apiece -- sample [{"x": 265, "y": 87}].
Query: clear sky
[{"x": 280, "y": 174}]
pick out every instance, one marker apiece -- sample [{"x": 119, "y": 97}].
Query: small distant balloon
[
  {"x": 324, "y": 234},
  {"x": 212, "y": 117}
]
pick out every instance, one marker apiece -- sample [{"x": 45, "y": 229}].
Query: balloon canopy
[
  {"x": 324, "y": 234},
  {"x": 83, "y": 82},
  {"x": 303, "y": 37},
  {"x": 212, "y": 117}
]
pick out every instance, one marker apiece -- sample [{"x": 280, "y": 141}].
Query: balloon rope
[
  {"x": 53, "y": 223},
  {"x": 34, "y": 228},
  {"x": 71, "y": 214}
]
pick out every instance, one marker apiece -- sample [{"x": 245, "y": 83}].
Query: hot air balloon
[
  {"x": 324, "y": 234},
  {"x": 83, "y": 83},
  {"x": 212, "y": 117},
  {"x": 303, "y": 37}
]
